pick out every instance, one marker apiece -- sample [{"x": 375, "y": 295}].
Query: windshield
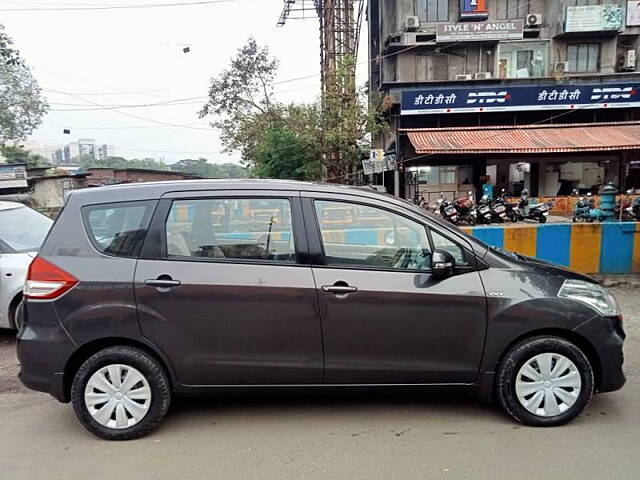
[{"x": 23, "y": 229}]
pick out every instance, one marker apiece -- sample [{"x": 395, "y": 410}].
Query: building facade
[
  {"x": 535, "y": 94},
  {"x": 84, "y": 147}
]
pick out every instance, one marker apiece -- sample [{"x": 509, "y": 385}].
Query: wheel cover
[
  {"x": 548, "y": 384},
  {"x": 117, "y": 396}
]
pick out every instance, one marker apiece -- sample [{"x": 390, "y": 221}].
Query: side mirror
[{"x": 442, "y": 264}]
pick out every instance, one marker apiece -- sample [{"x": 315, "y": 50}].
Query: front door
[
  {"x": 385, "y": 318},
  {"x": 226, "y": 298}
]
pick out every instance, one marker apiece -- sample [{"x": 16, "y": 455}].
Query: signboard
[
  {"x": 593, "y": 18},
  {"x": 473, "y": 10},
  {"x": 367, "y": 167},
  {"x": 13, "y": 176},
  {"x": 519, "y": 98},
  {"x": 480, "y": 32},
  {"x": 633, "y": 13},
  {"x": 376, "y": 158}
]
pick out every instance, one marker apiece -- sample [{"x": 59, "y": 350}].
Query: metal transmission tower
[{"x": 340, "y": 25}]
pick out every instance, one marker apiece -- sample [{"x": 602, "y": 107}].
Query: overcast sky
[{"x": 134, "y": 56}]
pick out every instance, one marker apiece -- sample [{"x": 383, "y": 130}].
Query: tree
[
  {"x": 205, "y": 169},
  {"x": 16, "y": 154},
  {"x": 285, "y": 155},
  {"x": 240, "y": 100},
  {"x": 21, "y": 103},
  {"x": 326, "y": 135}
]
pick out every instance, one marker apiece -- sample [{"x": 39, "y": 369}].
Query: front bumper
[
  {"x": 43, "y": 351},
  {"x": 606, "y": 335}
]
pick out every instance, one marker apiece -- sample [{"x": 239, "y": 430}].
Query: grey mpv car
[{"x": 142, "y": 292}]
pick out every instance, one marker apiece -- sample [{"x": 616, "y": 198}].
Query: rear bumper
[
  {"x": 43, "y": 351},
  {"x": 607, "y": 336}
]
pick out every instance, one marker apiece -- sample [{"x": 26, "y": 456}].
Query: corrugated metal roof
[{"x": 560, "y": 138}]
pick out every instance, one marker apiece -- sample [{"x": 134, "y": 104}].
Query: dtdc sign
[{"x": 519, "y": 98}]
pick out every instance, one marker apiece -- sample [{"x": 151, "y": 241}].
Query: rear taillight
[{"x": 46, "y": 281}]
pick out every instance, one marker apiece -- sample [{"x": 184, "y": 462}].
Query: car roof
[
  {"x": 153, "y": 190},
  {"x": 10, "y": 205}
]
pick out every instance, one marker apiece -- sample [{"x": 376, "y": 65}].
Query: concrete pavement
[{"x": 403, "y": 436}]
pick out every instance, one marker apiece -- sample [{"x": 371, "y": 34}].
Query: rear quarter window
[{"x": 118, "y": 229}]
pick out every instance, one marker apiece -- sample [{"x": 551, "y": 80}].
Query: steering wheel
[{"x": 401, "y": 258}]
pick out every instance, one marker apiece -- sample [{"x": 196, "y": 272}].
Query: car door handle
[
  {"x": 162, "y": 283},
  {"x": 339, "y": 289}
]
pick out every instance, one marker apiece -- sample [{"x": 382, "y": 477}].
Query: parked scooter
[
  {"x": 528, "y": 211},
  {"x": 583, "y": 207},
  {"x": 484, "y": 215},
  {"x": 447, "y": 209},
  {"x": 466, "y": 211},
  {"x": 499, "y": 209}
]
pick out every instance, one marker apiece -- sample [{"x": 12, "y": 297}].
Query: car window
[
  {"x": 443, "y": 243},
  {"x": 370, "y": 237},
  {"x": 118, "y": 229},
  {"x": 231, "y": 228},
  {"x": 23, "y": 229}
]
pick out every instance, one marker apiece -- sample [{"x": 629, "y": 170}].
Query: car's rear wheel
[
  {"x": 120, "y": 393},
  {"x": 545, "y": 381}
]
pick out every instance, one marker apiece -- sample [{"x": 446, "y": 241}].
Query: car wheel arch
[
  {"x": 13, "y": 308},
  {"x": 88, "y": 349},
  {"x": 575, "y": 338}
]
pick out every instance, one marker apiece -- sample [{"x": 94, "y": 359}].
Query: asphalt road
[{"x": 401, "y": 436}]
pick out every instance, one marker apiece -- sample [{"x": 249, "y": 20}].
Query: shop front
[{"x": 547, "y": 138}]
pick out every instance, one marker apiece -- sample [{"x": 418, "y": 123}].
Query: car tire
[
  {"x": 130, "y": 412},
  {"x": 17, "y": 316},
  {"x": 560, "y": 405}
]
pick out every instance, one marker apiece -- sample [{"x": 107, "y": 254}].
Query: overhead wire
[{"x": 114, "y": 7}]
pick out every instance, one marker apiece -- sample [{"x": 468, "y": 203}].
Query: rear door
[
  {"x": 385, "y": 318},
  {"x": 222, "y": 288}
]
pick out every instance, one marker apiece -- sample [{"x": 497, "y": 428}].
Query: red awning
[{"x": 593, "y": 137}]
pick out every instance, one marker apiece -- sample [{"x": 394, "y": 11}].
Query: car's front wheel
[
  {"x": 120, "y": 393},
  {"x": 545, "y": 381}
]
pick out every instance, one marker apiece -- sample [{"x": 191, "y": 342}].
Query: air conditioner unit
[
  {"x": 482, "y": 76},
  {"x": 534, "y": 20},
  {"x": 412, "y": 23},
  {"x": 560, "y": 69},
  {"x": 464, "y": 76},
  {"x": 628, "y": 60}
]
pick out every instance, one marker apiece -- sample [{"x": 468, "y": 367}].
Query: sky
[{"x": 134, "y": 56}]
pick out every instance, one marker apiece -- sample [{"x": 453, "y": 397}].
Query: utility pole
[{"x": 340, "y": 23}]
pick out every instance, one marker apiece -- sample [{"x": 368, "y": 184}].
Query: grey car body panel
[
  {"x": 271, "y": 326},
  {"x": 418, "y": 329}
]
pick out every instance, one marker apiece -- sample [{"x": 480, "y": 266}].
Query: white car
[{"x": 22, "y": 231}]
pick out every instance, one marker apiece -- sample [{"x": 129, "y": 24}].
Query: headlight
[{"x": 592, "y": 294}]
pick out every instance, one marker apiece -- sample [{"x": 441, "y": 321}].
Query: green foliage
[
  {"x": 120, "y": 162},
  {"x": 240, "y": 100},
  {"x": 210, "y": 170},
  {"x": 330, "y": 133},
  {"x": 13, "y": 155},
  {"x": 285, "y": 155},
  {"x": 21, "y": 103},
  {"x": 199, "y": 167}
]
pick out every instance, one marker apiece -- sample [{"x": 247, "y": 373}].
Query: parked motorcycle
[
  {"x": 528, "y": 211},
  {"x": 635, "y": 209},
  {"x": 624, "y": 208},
  {"x": 484, "y": 215},
  {"x": 466, "y": 211},
  {"x": 447, "y": 209}
]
